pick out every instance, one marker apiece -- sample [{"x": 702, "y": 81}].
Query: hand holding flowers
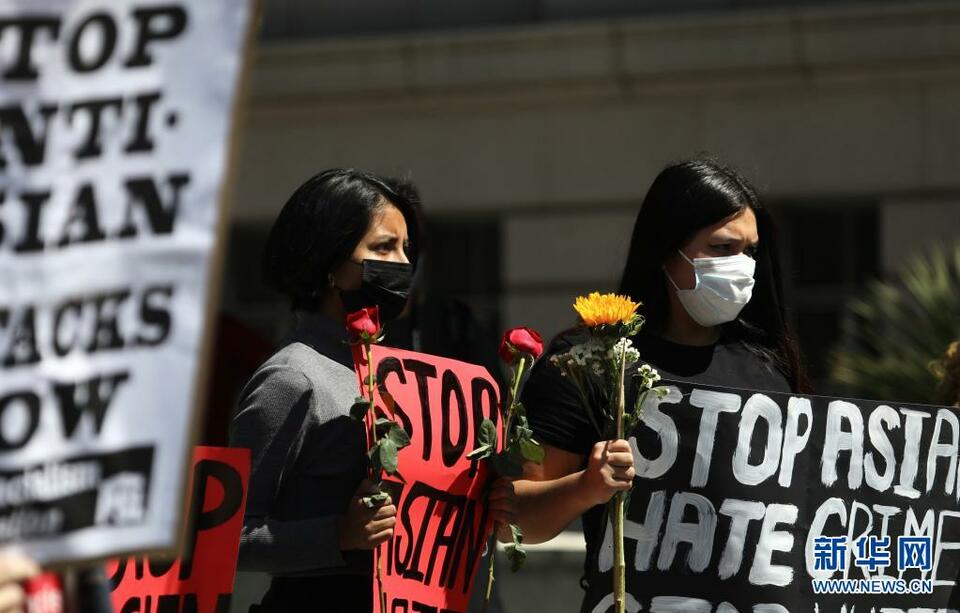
[
  {"x": 610, "y": 320},
  {"x": 519, "y": 348}
]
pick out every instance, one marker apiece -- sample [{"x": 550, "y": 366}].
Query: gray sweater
[{"x": 308, "y": 454}]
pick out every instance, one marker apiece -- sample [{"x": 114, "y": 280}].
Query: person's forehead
[
  {"x": 743, "y": 226},
  {"x": 389, "y": 221}
]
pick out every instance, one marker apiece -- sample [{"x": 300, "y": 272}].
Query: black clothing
[
  {"x": 559, "y": 419},
  {"x": 331, "y": 594}
]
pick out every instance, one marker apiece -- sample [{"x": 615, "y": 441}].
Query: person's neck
[
  {"x": 683, "y": 330},
  {"x": 332, "y": 308}
]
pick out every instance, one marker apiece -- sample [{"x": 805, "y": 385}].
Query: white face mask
[{"x": 724, "y": 286}]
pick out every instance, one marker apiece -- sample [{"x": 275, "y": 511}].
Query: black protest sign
[{"x": 769, "y": 502}]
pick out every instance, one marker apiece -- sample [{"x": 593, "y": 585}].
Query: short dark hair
[
  {"x": 323, "y": 221},
  {"x": 683, "y": 199}
]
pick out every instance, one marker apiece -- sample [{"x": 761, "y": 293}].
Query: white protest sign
[{"x": 115, "y": 118}]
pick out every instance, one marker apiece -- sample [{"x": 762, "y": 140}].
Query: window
[{"x": 829, "y": 249}]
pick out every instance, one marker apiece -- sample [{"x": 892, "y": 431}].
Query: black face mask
[{"x": 382, "y": 284}]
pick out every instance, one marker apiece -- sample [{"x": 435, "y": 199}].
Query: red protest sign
[
  {"x": 44, "y": 594},
  {"x": 201, "y": 579},
  {"x": 442, "y": 523}
]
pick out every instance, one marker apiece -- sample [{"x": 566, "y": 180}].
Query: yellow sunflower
[{"x": 605, "y": 309}]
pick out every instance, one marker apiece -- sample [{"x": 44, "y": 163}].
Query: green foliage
[
  {"x": 515, "y": 551},
  {"x": 631, "y": 419},
  {"x": 359, "y": 408},
  {"x": 387, "y": 428},
  {"x": 619, "y": 330},
  {"x": 391, "y": 439},
  {"x": 520, "y": 446},
  {"x": 398, "y": 436},
  {"x": 531, "y": 450},
  {"x": 375, "y": 500},
  {"x": 486, "y": 441},
  {"x": 902, "y": 325},
  {"x": 521, "y": 442},
  {"x": 388, "y": 455}
]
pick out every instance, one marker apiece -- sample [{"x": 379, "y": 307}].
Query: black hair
[
  {"x": 321, "y": 224},
  {"x": 683, "y": 199}
]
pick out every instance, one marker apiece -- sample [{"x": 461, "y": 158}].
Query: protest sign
[
  {"x": 770, "y": 502},
  {"x": 201, "y": 579},
  {"x": 442, "y": 523},
  {"x": 44, "y": 594},
  {"x": 115, "y": 117}
]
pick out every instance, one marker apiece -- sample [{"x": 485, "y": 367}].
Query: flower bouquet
[{"x": 610, "y": 320}]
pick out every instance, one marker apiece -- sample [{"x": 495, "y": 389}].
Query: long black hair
[
  {"x": 683, "y": 199},
  {"x": 321, "y": 224}
]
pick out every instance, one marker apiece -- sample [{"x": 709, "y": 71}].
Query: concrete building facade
[{"x": 534, "y": 145}]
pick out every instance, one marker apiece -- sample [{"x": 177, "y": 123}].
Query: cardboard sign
[
  {"x": 442, "y": 523},
  {"x": 115, "y": 117},
  {"x": 201, "y": 580},
  {"x": 774, "y": 503}
]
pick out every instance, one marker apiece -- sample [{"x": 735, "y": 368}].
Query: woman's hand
[
  {"x": 362, "y": 527},
  {"x": 502, "y": 502},
  {"x": 609, "y": 470},
  {"x": 14, "y": 569}
]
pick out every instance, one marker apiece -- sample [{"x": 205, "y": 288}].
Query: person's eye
[
  {"x": 385, "y": 247},
  {"x": 722, "y": 248}
]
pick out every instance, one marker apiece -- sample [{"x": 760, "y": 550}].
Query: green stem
[
  {"x": 513, "y": 397},
  {"x": 511, "y": 403},
  {"x": 619, "y": 563},
  {"x": 368, "y": 347},
  {"x": 491, "y": 552}
]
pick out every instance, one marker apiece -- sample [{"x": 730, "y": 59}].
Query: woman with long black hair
[{"x": 703, "y": 263}]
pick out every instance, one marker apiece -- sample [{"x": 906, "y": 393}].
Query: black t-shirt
[{"x": 558, "y": 417}]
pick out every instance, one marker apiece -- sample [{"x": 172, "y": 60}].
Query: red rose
[
  {"x": 364, "y": 324},
  {"x": 520, "y": 340}
]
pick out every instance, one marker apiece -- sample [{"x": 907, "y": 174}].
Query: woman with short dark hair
[
  {"x": 703, "y": 263},
  {"x": 345, "y": 239}
]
